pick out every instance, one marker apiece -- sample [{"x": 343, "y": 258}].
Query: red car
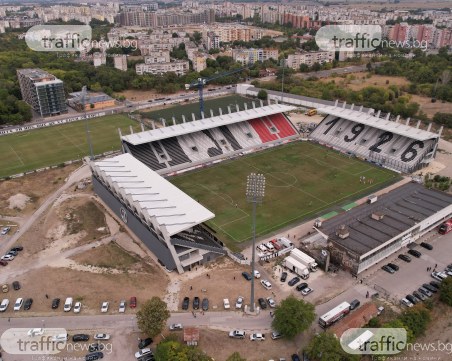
[
  {"x": 133, "y": 302},
  {"x": 3, "y": 263}
]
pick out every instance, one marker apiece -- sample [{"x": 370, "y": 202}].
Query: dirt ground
[
  {"x": 36, "y": 186},
  {"x": 362, "y": 81}
]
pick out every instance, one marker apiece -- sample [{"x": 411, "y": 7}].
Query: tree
[
  {"x": 173, "y": 350},
  {"x": 293, "y": 316},
  {"x": 416, "y": 319},
  {"x": 262, "y": 94},
  {"x": 152, "y": 316},
  {"x": 445, "y": 291},
  {"x": 235, "y": 357},
  {"x": 326, "y": 347}
]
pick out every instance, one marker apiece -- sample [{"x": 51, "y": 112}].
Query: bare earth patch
[{"x": 18, "y": 201}]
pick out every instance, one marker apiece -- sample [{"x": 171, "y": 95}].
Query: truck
[
  {"x": 445, "y": 227},
  {"x": 305, "y": 259},
  {"x": 297, "y": 267}
]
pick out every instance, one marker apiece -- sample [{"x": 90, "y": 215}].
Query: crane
[{"x": 201, "y": 82}]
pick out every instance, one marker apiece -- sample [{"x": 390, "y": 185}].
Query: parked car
[
  {"x": 425, "y": 291},
  {"x": 5, "y": 230},
  {"x": 12, "y": 252},
  {"x": 122, "y": 306},
  {"x": 205, "y": 304},
  {"x": 237, "y": 334},
  {"x": 16, "y": 285},
  {"x": 295, "y": 357},
  {"x": 405, "y": 257},
  {"x": 438, "y": 276},
  {"x": 406, "y": 302},
  {"x": 17, "y": 248},
  {"x": 354, "y": 304},
  {"x": 306, "y": 291},
  {"x": 271, "y": 302},
  {"x": 94, "y": 356},
  {"x": 60, "y": 337},
  {"x": 412, "y": 299},
  {"x": 257, "y": 274},
  {"x": 294, "y": 281},
  {"x": 275, "y": 335},
  {"x": 55, "y": 303},
  {"x": 302, "y": 286},
  {"x": 5, "y": 288},
  {"x": 387, "y": 269},
  {"x": 283, "y": 277},
  {"x": 144, "y": 342},
  {"x": 94, "y": 347},
  {"x": 394, "y": 266},
  {"x": 196, "y": 303},
  {"x": 430, "y": 287},
  {"x": 246, "y": 276},
  {"x": 35, "y": 332},
  {"x": 4, "y": 305},
  {"x": 27, "y": 304},
  {"x": 435, "y": 284},
  {"x": 104, "y": 307},
  {"x": 186, "y": 303},
  {"x": 77, "y": 307},
  {"x": 68, "y": 304},
  {"x": 143, "y": 352},
  {"x": 415, "y": 253},
  {"x": 80, "y": 337},
  {"x": 3, "y": 263},
  {"x": 226, "y": 304},
  {"x": 239, "y": 302},
  {"x": 18, "y": 304},
  {"x": 419, "y": 295},
  {"x": 426, "y": 245},
  {"x": 266, "y": 284},
  {"x": 7, "y": 257},
  {"x": 257, "y": 337},
  {"x": 102, "y": 336},
  {"x": 133, "y": 302},
  {"x": 262, "y": 303},
  {"x": 176, "y": 326}
]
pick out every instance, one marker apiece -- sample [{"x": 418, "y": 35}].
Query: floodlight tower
[
  {"x": 255, "y": 191},
  {"x": 87, "y": 131}
]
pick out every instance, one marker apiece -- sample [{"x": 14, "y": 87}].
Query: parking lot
[{"x": 412, "y": 275}]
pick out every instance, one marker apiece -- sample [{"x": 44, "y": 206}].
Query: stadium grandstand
[
  {"x": 390, "y": 144},
  {"x": 201, "y": 141},
  {"x": 165, "y": 219}
]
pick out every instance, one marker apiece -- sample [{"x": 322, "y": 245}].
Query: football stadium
[{"x": 181, "y": 188}]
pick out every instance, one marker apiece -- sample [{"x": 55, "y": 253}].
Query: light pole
[
  {"x": 255, "y": 191},
  {"x": 283, "y": 63},
  {"x": 88, "y": 135}
]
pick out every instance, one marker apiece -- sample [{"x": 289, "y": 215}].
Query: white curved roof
[
  {"x": 380, "y": 123},
  {"x": 206, "y": 123},
  {"x": 153, "y": 197}
]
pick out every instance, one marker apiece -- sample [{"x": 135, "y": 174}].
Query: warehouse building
[{"x": 367, "y": 234}]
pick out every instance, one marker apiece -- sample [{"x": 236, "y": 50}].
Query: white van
[{"x": 68, "y": 304}]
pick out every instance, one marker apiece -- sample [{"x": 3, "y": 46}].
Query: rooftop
[
  {"x": 35, "y": 73},
  {"x": 380, "y": 123},
  {"x": 402, "y": 209},
  {"x": 206, "y": 123},
  {"x": 152, "y": 195}
]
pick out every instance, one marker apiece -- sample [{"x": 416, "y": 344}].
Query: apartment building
[
  {"x": 160, "y": 56},
  {"x": 180, "y": 67},
  {"x": 309, "y": 58},
  {"x": 250, "y": 56},
  {"x": 42, "y": 91},
  {"x": 120, "y": 62}
]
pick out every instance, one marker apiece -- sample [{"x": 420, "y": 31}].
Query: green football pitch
[
  {"x": 43, "y": 147},
  {"x": 303, "y": 180}
]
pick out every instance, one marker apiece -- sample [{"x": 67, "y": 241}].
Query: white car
[
  {"x": 262, "y": 248},
  {"x": 239, "y": 302},
  {"x": 226, "y": 304},
  {"x": 266, "y": 284},
  {"x": 18, "y": 304},
  {"x": 257, "y": 337},
  {"x": 60, "y": 338},
  {"x": 5, "y": 230},
  {"x": 68, "y": 304},
  {"x": 104, "y": 307},
  {"x": 35, "y": 332},
  {"x": 271, "y": 302},
  {"x": 7, "y": 257},
  {"x": 306, "y": 291},
  {"x": 406, "y": 303},
  {"x": 143, "y": 352},
  {"x": 4, "y": 305},
  {"x": 101, "y": 336},
  {"x": 122, "y": 306},
  {"x": 270, "y": 246},
  {"x": 176, "y": 326},
  {"x": 77, "y": 307},
  {"x": 257, "y": 274},
  {"x": 237, "y": 334}
]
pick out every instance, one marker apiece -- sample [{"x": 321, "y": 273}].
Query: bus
[
  {"x": 360, "y": 340},
  {"x": 335, "y": 314},
  {"x": 446, "y": 227}
]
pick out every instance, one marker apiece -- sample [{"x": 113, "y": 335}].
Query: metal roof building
[
  {"x": 368, "y": 233},
  {"x": 166, "y": 219}
]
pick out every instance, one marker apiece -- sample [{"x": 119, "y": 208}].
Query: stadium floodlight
[
  {"x": 87, "y": 131},
  {"x": 255, "y": 191}
]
